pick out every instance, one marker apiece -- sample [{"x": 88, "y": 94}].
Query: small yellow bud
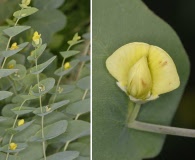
[
  {"x": 20, "y": 122},
  {"x": 14, "y": 46},
  {"x": 67, "y": 65},
  {"x": 26, "y": 2},
  {"x": 36, "y": 38},
  {"x": 74, "y": 40},
  {"x": 12, "y": 146},
  {"x": 47, "y": 108},
  {"x": 10, "y": 66},
  {"x": 76, "y": 37}
]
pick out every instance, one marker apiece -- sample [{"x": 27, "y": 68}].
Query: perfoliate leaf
[
  {"x": 44, "y": 87},
  {"x": 48, "y": 4},
  {"x": 79, "y": 107},
  {"x": 38, "y": 69},
  {"x": 62, "y": 89},
  {"x": 19, "y": 128},
  {"x": 23, "y": 110},
  {"x": 37, "y": 52},
  {"x": 50, "y": 108},
  {"x": 13, "y": 31},
  {"x": 84, "y": 83},
  {"x": 61, "y": 71},
  {"x": 67, "y": 54},
  {"x": 20, "y": 73},
  {"x": 9, "y": 53},
  {"x": 76, "y": 129},
  {"x": 25, "y": 12},
  {"x": 7, "y": 72},
  {"x": 51, "y": 131},
  {"x": 20, "y": 147},
  {"x": 5, "y": 94},
  {"x": 134, "y": 23},
  {"x": 67, "y": 155}
]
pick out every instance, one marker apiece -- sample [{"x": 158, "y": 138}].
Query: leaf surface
[{"x": 116, "y": 24}]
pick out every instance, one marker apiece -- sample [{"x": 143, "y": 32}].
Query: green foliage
[
  {"x": 133, "y": 22},
  {"x": 34, "y": 98}
]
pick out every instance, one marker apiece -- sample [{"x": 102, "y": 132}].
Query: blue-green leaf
[
  {"x": 79, "y": 107},
  {"x": 67, "y": 54},
  {"x": 9, "y": 53},
  {"x": 116, "y": 23},
  {"x": 13, "y": 31},
  {"x": 38, "y": 69},
  {"x": 20, "y": 147},
  {"x": 51, "y": 131},
  {"x": 48, "y": 4},
  {"x": 25, "y": 12},
  {"x": 22, "y": 110},
  {"x": 61, "y": 71},
  {"x": 67, "y": 155},
  {"x": 84, "y": 83},
  {"x": 5, "y": 94},
  {"x": 7, "y": 72},
  {"x": 44, "y": 87},
  {"x": 50, "y": 108}
]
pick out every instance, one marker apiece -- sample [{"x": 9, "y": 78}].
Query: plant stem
[
  {"x": 82, "y": 63},
  {"x": 8, "y": 43},
  {"x": 132, "y": 114},
  {"x": 14, "y": 124},
  {"x": 60, "y": 78},
  {"x": 66, "y": 145},
  {"x": 42, "y": 118},
  {"x": 155, "y": 128}
]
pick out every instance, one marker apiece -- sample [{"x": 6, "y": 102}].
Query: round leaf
[{"x": 133, "y": 22}]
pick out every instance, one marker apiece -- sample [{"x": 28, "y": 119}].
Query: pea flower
[
  {"x": 14, "y": 46},
  {"x": 75, "y": 40},
  {"x": 13, "y": 146},
  {"x": 36, "y": 38},
  {"x": 20, "y": 122},
  {"x": 67, "y": 65},
  {"x": 143, "y": 71}
]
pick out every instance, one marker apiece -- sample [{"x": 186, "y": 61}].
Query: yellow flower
[
  {"x": 67, "y": 65},
  {"x": 74, "y": 40},
  {"x": 26, "y": 2},
  {"x": 20, "y": 122},
  {"x": 14, "y": 46},
  {"x": 143, "y": 71},
  {"x": 12, "y": 146},
  {"x": 11, "y": 66},
  {"x": 36, "y": 38}
]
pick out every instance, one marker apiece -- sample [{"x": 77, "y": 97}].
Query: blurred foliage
[{"x": 27, "y": 90}]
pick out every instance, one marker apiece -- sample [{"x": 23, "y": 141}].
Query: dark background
[{"x": 180, "y": 14}]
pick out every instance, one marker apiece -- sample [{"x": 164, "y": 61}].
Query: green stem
[
  {"x": 42, "y": 118},
  {"x": 14, "y": 124},
  {"x": 60, "y": 78},
  {"x": 155, "y": 128},
  {"x": 8, "y": 43},
  {"x": 66, "y": 145},
  {"x": 82, "y": 63},
  {"x": 132, "y": 114}
]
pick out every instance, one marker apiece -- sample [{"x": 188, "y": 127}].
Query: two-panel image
[{"x": 97, "y": 80}]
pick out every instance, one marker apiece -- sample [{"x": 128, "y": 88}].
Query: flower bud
[
  {"x": 20, "y": 122},
  {"x": 13, "y": 146}
]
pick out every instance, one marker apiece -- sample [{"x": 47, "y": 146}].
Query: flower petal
[
  {"x": 120, "y": 62},
  {"x": 164, "y": 74},
  {"x": 139, "y": 80}
]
